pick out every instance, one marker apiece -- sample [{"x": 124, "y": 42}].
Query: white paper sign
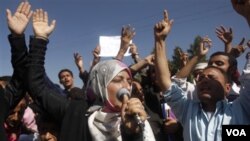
[{"x": 110, "y": 46}]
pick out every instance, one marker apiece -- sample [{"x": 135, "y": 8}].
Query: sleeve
[
  {"x": 244, "y": 97},
  {"x": 16, "y": 88},
  {"x": 177, "y": 101},
  {"x": 42, "y": 90}
]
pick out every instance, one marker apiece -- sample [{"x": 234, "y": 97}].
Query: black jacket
[{"x": 15, "y": 89}]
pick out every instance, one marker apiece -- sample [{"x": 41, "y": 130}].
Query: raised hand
[
  {"x": 239, "y": 49},
  {"x": 97, "y": 51},
  {"x": 225, "y": 35},
  {"x": 162, "y": 28},
  {"x": 150, "y": 59},
  {"x": 183, "y": 57},
  {"x": 128, "y": 32},
  {"x": 79, "y": 61},
  {"x": 18, "y": 22},
  {"x": 40, "y": 24},
  {"x": 127, "y": 35},
  {"x": 133, "y": 49},
  {"x": 204, "y": 47}
]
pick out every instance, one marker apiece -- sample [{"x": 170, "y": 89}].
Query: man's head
[
  {"x": 66, "y": 78},
  {"x": 213, "y": 85},
  {"x": 225, "y": 62},
  {"x": 198, "y": 69}
]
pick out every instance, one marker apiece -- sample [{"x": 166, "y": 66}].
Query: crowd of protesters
[{"x": 118, "y": 101}]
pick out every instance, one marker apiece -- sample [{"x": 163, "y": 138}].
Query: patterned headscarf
[{"x": 102, "y": 74}]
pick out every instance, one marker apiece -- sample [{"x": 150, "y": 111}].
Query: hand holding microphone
[{"x": 132, "y": 113}]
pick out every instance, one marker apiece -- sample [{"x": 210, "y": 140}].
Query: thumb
[
  {"x": 52, "y": 26},
  {"x": 8, "y": 14}
]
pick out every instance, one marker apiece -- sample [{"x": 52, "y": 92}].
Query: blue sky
[{"x": 81, "y": 22}]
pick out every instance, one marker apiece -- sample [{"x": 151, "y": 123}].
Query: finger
[
  {"x": 30, "y": 14},
  {"x": 52, "y": 25},
  {"x": 35, "y": 16},
  {"x": 242, "y": 41},
  {"x": 40, "y": 15},
  {"x": 165, "y": 15},
  {"x": 230, "y": 30},
  {"x": 24, "y": 7},
  {"x": 74, "y": 55},
  {"x": 8, "y": 14},
  {"x": 218, "y": 32},
  {"x": 19, "y": 8},
  {"x": 45, "y": 18},
  {"x": 223, "y": 28},
  {"x": 171, "y": 22}
]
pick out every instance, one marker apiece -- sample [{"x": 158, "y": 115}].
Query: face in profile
[{"x": 212, "y": 85}]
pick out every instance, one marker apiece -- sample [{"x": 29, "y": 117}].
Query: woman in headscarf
[{"x": 109, "y": 80}]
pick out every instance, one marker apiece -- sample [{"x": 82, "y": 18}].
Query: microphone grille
[{"x": 121, "y": 92}]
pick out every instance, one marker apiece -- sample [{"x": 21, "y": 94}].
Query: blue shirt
[{"x": 197, "y": 126}]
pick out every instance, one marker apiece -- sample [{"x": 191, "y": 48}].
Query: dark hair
[
  {"x": 65, "y": 70},
  {"x": 5, "y": 78},
  {"x": 232, "y": 69}
]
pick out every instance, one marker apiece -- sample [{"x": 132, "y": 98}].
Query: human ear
[{"x": 227, "y": 88}]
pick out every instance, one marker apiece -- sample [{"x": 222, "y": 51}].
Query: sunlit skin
[
  {"x": 48, "y": 137},
  {"x": 211, "y": 88},
  {"x": 67, "y": 80},
  {"x": 3, "y": 84},
  {"x": 121, "y": 80},
  {"x": 48, "y": 130}
]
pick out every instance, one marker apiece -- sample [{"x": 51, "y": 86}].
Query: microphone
[{"x": 120, "y": 95}]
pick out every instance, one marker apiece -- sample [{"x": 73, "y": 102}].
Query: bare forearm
[
  {"x": 122, "y": 51},
  {"x": 228, "y": 47},
  {"x": 138, "y": 66},
  {"x": 187, "y": 69},
  {"x": 161, "y": 65}
]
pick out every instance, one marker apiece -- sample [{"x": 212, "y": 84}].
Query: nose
[{"x": 127, "y": 85}]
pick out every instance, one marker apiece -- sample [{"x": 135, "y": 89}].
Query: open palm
[
  {"x": 40, "y": 24},
  {"x": 19, "y": 21}
]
